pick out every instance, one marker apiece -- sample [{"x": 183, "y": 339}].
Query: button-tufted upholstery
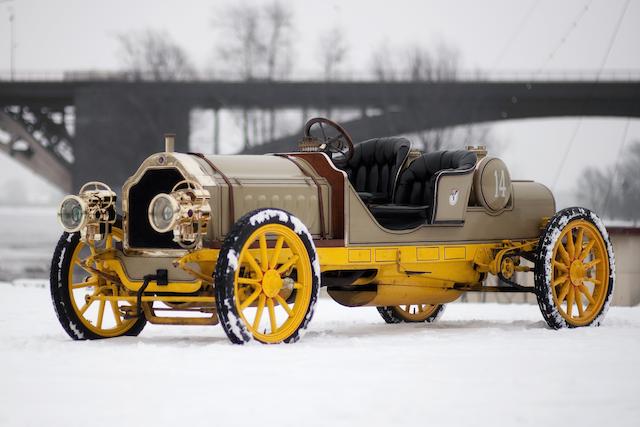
[
  {"x": 414, "y": 194},
  {"x": 416, "y": 184},
  {"x": 374, "y": 167}
]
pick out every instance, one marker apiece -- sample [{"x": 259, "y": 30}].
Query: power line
[
  {"x": 565, "y": 36},
  {"x": 610, "y": 44},
  {"x": 515, "y": 34}
]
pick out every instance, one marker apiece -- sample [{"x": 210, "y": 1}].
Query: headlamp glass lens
[
  {"x": 162, "y": 213},
  {"x": 71, "y": 214}
]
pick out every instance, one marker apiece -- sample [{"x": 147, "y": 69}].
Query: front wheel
[
  {"x": 411, "y": 313},
  {"x": 267, "y": 278},
  {"x": 83, "y": 300},
  {"x": 575, "y": 270}
]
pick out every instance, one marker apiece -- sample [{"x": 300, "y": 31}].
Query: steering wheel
[{"x": 333, "y": 137}]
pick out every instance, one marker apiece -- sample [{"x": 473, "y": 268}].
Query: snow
[
  {"x": 480, "y": 364},
  {"x": 267, "y": 214}
]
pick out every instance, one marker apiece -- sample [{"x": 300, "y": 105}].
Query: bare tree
[
  {"x": 419, "y": 65},
  {"x": 382, "y": 63},
  {"x": 154, "y": 55},
  {"x": 615, "y": 191},
  {"x": 416, "y": 63},
  {"x": 256, "y": 43},
  {"x": 332, "y": 53},
  {"x": 446, "y": 62},
  {"x": 278, "y": 21}
]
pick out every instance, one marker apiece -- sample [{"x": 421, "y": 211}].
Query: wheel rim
[
  {"x": 103, "y": 318},
  {"x": 416, "y": 312},
  {"x": 273, "y": 266},
  {"x": 580, "y": 273}
]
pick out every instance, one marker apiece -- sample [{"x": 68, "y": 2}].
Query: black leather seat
[
  {"x": 374, "y": 167},
  {"x": 415, "y": 192}
]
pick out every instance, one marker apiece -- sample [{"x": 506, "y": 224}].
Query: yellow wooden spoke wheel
[
  {"x": 575, "y": 270},
  {"x": 411, "y": 313},
  {"x": 267, "y": 278},
  {"x": 76, "y": 290}
]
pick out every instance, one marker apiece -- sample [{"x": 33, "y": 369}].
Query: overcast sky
[{"x": 499, "y": 35}]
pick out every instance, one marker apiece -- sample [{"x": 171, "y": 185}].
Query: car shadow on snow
[{"x": 442, "y": 328}]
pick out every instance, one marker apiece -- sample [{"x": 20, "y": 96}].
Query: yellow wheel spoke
[
  {"x": 246, "y": 255},
  {"x": 587, "y": 294},
  {"x": 284, "y": 305},
  {"x": 297, "y": 285},
  {"x": 287, "y": 265},
  {"x": 264, "y": 260},
  {"x": 571, "y": 249},
  {"x": 563, "y": 292},
  {"x": 559, "y": 280},
  {"x": 246, "y": 303},
  {"x": 100, "y": 314},
  {"x": 86, "y": 306},
  {"x": 116, "y": 312},
  {"x": 564, "y": 254},
  {"x": 247, "y": 281},
  {"x": 276, "y": 252},
  {"x": 586, "y": 250},
  {"x": 560, "y": 266},
  {"x": 578, "y": 298},
  {"x": 570, "y": 298},
  {"x": 592, "y": 264},
  {"x": 272, "y": 315},
  {"x": 578, "y": 245},
  {"x": 91, "y": 282},
  {"x": 256, "y": 321},
  {"x": 592, "y": 280}
]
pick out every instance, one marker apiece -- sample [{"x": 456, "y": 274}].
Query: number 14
[{"x": 501, "y": 187}]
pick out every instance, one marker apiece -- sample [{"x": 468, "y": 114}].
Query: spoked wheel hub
[{"x": 574, "y": 271}]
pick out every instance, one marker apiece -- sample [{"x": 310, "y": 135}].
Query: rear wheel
[
  {"x": 267, "y": 278},
  {"x": 411, "y": 313},
  {"x": 575, "y": 270},
  {"x": 76, "y": 290}
]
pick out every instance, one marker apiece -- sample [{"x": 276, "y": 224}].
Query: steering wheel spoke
[{"x": 341, "y": 143}]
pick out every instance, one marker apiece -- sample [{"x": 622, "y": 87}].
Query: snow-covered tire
[
  {"x": 61, "y": 295},
  {"x": 399, "y": 314},
  {"x": 563, "y": 269},
  {"x": 247, "y": 275}
]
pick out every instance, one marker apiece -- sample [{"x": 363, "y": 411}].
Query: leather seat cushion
[
  {"x": 375, "y": 165},
  {"x": 416, "y": 184}
]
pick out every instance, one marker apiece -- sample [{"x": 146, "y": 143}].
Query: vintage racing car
[{"x": 248, "y": 240}]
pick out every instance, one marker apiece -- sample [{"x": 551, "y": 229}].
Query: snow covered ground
[{"x": 485, "y": 364}]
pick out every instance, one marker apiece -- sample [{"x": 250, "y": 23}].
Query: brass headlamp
[
  {"x": 90, "y": 212},
  {"x": 185, "y": 210}
]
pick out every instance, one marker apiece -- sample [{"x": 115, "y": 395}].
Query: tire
[
  {"x": 411, "y": 313},
  {"x": 77, "y": 325},
  {"x": 564, "y": 268},
  {"x": 248, "y": 278}
]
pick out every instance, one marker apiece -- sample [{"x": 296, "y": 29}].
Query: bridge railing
[{"x": 623, "y": 75}]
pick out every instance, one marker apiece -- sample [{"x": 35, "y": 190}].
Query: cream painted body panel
[
  {"x": 136, "y": 267},
  {"x": 266, "y": 182},
  {"x": 257, "y": 182},
  {"x": 531, "y": 203}
]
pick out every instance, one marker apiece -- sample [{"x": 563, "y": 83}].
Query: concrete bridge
[{"x": 118, "y": 123}]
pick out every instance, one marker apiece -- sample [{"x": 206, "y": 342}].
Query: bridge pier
[{"x": 117, "y": 129}]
